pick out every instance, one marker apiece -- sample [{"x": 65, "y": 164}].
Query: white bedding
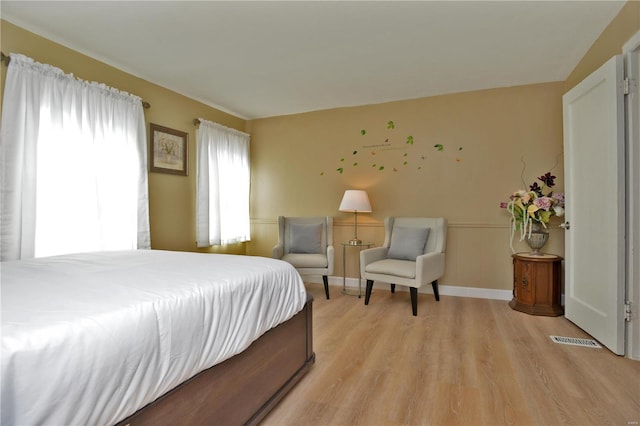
[{"x": 90, "y": 338}]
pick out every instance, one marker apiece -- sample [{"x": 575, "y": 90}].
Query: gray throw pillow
[
  {"x": 407, "y": 243},
  {"x": 305, "y": 238}
]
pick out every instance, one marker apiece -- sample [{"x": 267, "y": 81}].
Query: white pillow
[
  {"x": 305, "y": 238},
  {"x": 407, "y": 243}
]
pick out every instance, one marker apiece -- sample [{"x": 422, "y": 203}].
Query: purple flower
[
  {"x": 536, "y": 188},
  {"x": 547, "y": 179},
  {"x": 559, "y": 197},
  {"x": 543, "y": 203}
]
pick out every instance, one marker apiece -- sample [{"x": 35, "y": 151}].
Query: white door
[
  {"x": 632, "y": 62},
  {"x": 594, "y": 164}
]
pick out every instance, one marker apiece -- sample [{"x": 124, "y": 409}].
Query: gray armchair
[
  {"x": 412, "y": 255},
  {"x": 307, "y": 244}
]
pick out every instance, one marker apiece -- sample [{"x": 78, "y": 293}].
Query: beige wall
[
  {"x": 610, "y": 43},
  {"x": 495, "y": 128},
  {"x": 486, "y": 136},
  {"x": 171, "y": 198}
]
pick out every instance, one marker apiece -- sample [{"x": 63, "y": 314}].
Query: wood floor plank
[{"x": 461, "y": 361}]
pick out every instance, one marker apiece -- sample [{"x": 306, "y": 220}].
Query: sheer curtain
[
  {"x": 73, "y": 158},
  {"x": 222, "y": 187}
]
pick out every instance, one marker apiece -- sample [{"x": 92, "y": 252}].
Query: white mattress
[{"x": 91, "y": 338}]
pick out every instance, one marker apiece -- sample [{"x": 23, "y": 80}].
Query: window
[
  {"x": 73, "y": 165},
  {"x": 222, "y": 187}
]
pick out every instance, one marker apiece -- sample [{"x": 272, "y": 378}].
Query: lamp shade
[{"x": 355, "y": 200}]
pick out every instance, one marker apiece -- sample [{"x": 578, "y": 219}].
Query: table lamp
[{"x": 355, "y": 200}]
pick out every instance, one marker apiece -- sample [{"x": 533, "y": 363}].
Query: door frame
[{"x": 631, "y": 54}]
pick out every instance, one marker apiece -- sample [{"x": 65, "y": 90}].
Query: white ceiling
[{"x": 264, "y": 58}]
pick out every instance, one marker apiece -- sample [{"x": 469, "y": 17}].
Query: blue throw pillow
[
  {"x": 407, "y": 243},
  {"x": 305, "y": 238}
]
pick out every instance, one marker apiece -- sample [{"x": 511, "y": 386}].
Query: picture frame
[{"x": 168, "y": 150}]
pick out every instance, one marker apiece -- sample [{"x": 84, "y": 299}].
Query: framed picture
[{"x": 168, "y": 150}]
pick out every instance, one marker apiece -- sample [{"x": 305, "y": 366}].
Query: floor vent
[{"x": 576, "y": 341}]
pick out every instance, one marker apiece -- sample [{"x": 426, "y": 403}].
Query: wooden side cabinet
[{"x": 536, "y": 284}]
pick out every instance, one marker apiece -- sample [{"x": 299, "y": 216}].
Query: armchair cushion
[
  {"x": 305, "y": 238},
  {"x": 394, "y": 267},
  {"x": 407, "y": 243},
  {"x": 300, "y": 260}
]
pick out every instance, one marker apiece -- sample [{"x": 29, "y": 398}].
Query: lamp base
[{"x": 355, "y": 242}]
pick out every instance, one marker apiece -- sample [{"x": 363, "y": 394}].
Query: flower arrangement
[{"x": 532, "y": 208}]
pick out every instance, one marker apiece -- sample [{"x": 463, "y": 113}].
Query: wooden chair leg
[
  {"x": 325, "y": 279},
  {"x": 434, "y": 284},
  {"x": 414, "y": 300},
  {"x": 367, "y": 293},
  {"x": 393, "y": 288}
]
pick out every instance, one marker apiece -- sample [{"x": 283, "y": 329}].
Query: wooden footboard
[{"x": 244, "y": 388}]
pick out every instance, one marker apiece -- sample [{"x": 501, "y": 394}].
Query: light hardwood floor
[{"x": 461, "y": 361}]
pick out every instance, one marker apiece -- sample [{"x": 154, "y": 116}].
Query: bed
[{"x": 150, "y": 337}]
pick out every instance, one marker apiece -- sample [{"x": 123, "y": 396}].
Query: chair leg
[
  {"x": 367, "y": 293},
  {"x": 325, "y": 279},
  {"x": 434, "y": 284},
  {"x": 414, "y": 300},
  {"x": 393, "y": 288}
]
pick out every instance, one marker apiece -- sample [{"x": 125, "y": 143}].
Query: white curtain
[
  {"x": 222, "y": 187},
  {"x": 73, "y": 158}
]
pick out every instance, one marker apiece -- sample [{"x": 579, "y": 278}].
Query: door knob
[{"x": 566, "y": 226}]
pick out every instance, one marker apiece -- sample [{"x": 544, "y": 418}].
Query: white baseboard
[{"x": 445, "y": 290}]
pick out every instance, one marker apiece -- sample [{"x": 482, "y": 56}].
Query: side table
[
  {"x": 345, "y": 290},
  {"x": 536, "y": 284}
]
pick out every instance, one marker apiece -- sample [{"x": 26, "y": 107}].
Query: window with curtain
[
  {"x": 73, "y": 157},
  {"x": 222, "y": 185}
]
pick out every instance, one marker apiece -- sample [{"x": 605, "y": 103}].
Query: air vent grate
[{"x": 576, "y": 341}]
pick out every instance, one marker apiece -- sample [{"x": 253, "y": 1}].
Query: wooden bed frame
[{"x": 244, "y": 388}]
